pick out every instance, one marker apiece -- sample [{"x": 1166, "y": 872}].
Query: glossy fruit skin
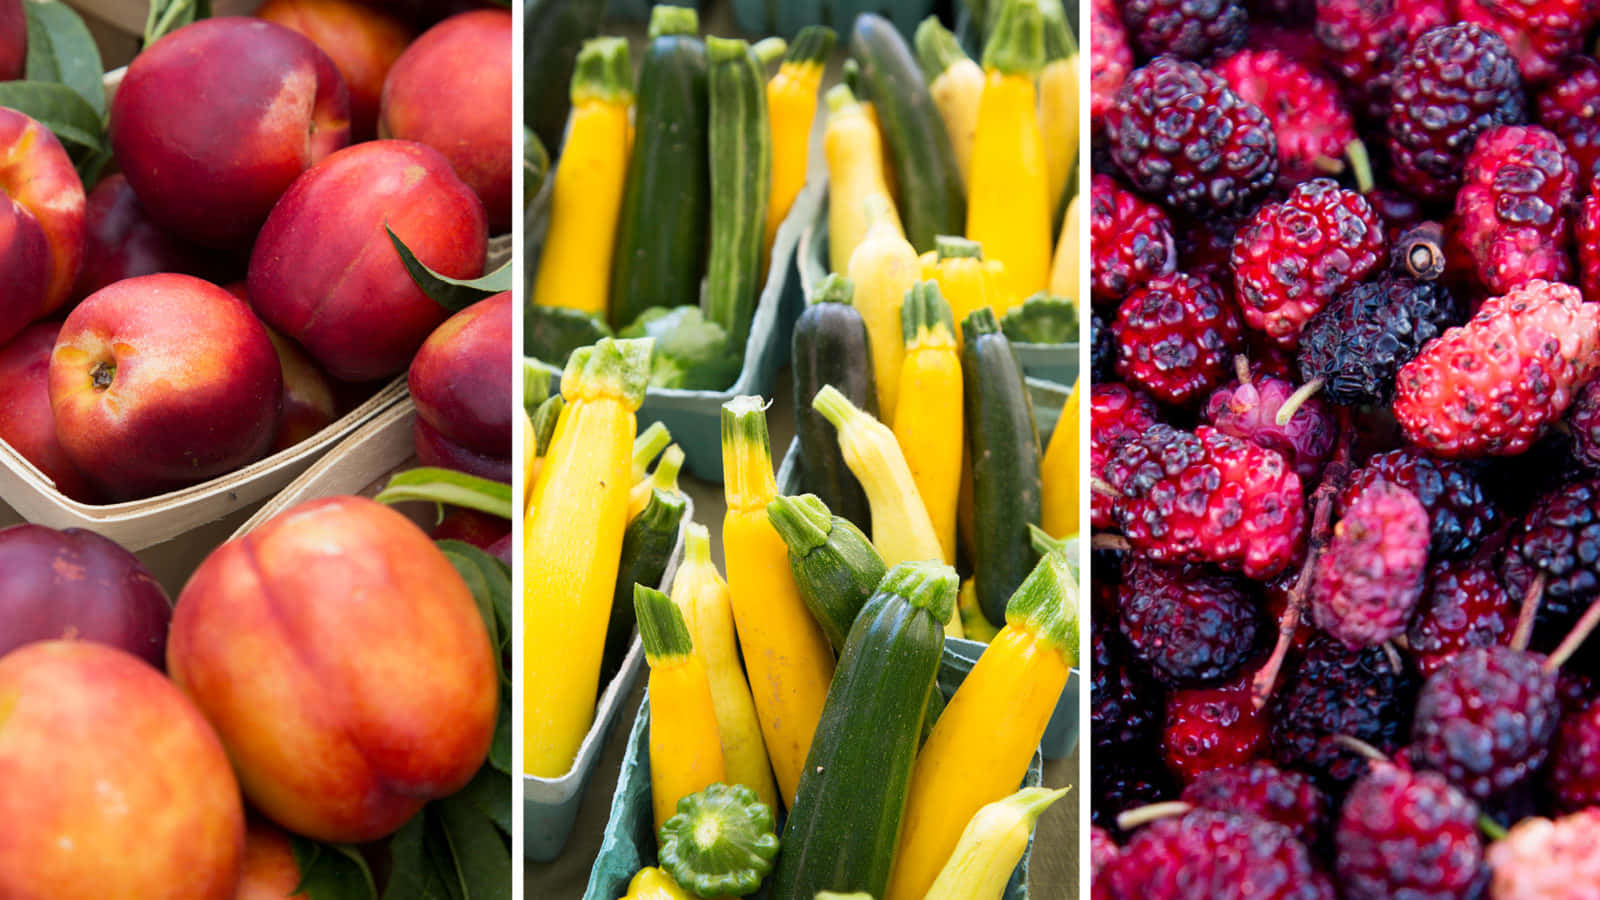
[
  {"x": 1575, "y": 769},
  {"x": 1178, "y": 133},
  {"x": 1250, "y": 411},
  {"x": 209, "y": 163},
  {"x": 1212, "y": 727},
  {"x": 1217, "y": 855},
  {"x": 1118, "y": 413},
  {"x": 1363, "y": 40},
  {"x": 1454, "y": 83},
  {"x": 1176, "y": 336},
  {"x": 1208, "y": 497},
  {"x": 1530, "y": 351},
  {"x": 1409, "y": 834},
  {"x": 1541, "y": 858},
  {"x": 1461, "y": 515},
  {"x": 1190, "y": 625},
  {"x": 1334, "y": 691},
  {"x": 1540, "y": 33},
  {"x": 1557, "y": 539},
  {"x": 1369, "y": 578},
  {"x": 1486, "y": 719},
  {"x": 1310, "y": 119},
  {"x": 1133, "y": 240},
  {"x": 1267, "y": 792},
  {"x": 1198, "y": 30},
  {"x": 1570, "y": 106},
  {"x": 41, "y": 222},
  {"x": 1291, "y": 258},
  {"x": 1513, "y": 214},
  {"x": 76, "y": 584},
  {"x": 1465, "y": 605},
  {"x": 1110, "y": 57},
  {"x": 26, "y": 421},
  {"x": 334, "y": 217},
  {"x": 1358, "y": 342}
]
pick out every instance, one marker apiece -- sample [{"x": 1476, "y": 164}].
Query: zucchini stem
[
  {"x": 661, "y": 626},
  {"x": 748, "y": 482},
  {"x": 604, "y": 72},
  {"x": 673, "y": 20},
  {"x": 811, "y": 46},
  {"x": 937, "y": 49},
  {"x": 1016, "y": 47},
  {"x": 1047, "y": 601},
  {"x": 803, "y": 522}
]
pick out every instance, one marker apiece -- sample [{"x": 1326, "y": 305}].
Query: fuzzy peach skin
[
  {"x": 362, "y": 41},
  {"x": 121, "y": 241},
  {"x": 41, "y": 223},
  {"x": 214, "y": 121},
  {"x": 325, "y": 274},
  {"x": 308, "y": 402},
  {"x": 115, "y": 784},
  {"x": 451, "y": 90},
  {"x": 461, "y": 378},
  {"x": 13, "y": 40},
  {"x": 344, "y": 664},
  {"x": 270, "y": 870},
  {"x": 26, "y": 422},
  {"x": 77, "y": 584},
  {"x": 161, "y": 382}
]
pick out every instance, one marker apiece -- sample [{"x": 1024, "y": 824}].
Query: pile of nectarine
[
  {"x": 329, "y": 671},
  {"x": 129, "y": 370}
]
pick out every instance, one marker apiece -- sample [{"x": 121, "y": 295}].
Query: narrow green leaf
[
  {"x": 436, "y": 485},
  {"x": 331, "y": 871},
  {"x": 500, "y": 747},
  {"x": 481, "y": 852},
  {"x": 451, "y": 293},
  {"x": 58, "y": 108},
  {"x": 478, "y": 584},
  {"x": 167, "y": 16},
  {"x": 60, "y": 49},
  {"x": 441, "y": 856}
]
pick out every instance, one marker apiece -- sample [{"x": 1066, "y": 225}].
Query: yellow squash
[
  {"x": 1008, "y": 208},
  {"x": 1058, "y": 102},
  {"x": 655, "y": 884},
  {"x": 854, "y": 148},
  {"x": 901, "y": 529},
  {"x": 664, "y": 478},
  {"x": 991, "y": 846},
  {"x": 1068, "y": 262},
  {"x": 575, "y": 269},
  {"x": 786, "y": 653},
  {"x": 928, "y": 421},
  {"x": 685, "y": 750},
  {"x": 956, "y": 83},
  {"x": 981, "y": 745},
  {"x": 967, "y": 281},
  {"x": 702, "y": 596},
  {"x": 1059, "y": 469},
  {"x": 791, "y": 107},
  {"x": 883, "y": 267},
  {"x": 571, "y": 546}
]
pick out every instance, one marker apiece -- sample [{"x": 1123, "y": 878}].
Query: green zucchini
[
  {"x": 646, "y": 547},
  {"x": 933, "y": 200},
  {"x": 1003, "y": 444},
  {"x": 835, "y": 566},
  {"x": 553, "y": 32},
  {"x": 844, "y": 825},
  {"x": 544, "y": 423},
  {"x": 830, "y": 346},
  {"x": 660, "y": 254},
  {"x": 551, "y": 333},
  {"x": 741, "y": 179}
]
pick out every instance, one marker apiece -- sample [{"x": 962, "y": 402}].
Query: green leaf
[
  {"x": 489, "y": 792},
  {"x": 435, "y": 485},
  {"x": 451, "y": 293},
  {"x": 167, "y": 16},
  {"x": 58, "y": 108},
  {"x": 500, "y": 747},
  {"x": 331, "y": 871},
  {"x": 490, "y": 582},
  {"x": 478, "y": 584},
  {"x": 481, "y": 853},
  {"x": 414, "y": 876},
  {"x": 60, "y": 49}
]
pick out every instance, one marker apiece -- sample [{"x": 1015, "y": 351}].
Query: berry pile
[{"x": 1346, "y": 448}]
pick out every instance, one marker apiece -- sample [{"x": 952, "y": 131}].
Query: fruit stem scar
[{"x": 102, "y": 375}]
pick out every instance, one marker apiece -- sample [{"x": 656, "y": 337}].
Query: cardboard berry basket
[
  {"x": 143, "y": 524},
  {"x": 1056, "y": 363}
]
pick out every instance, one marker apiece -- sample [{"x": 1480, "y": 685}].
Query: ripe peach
[
  {"x": 77, "y": 584},
  {"x": 26, "y": 422},
  {"x": 115, "y": 784},
  {"x": 363, "y": 42},
  {"x": 469, "y": 526},
  {"x": 270, "y": 869},
  {"x": 163, "y": 381},
  {"x": 13, "y": 40},
  {"x": 215, "y": 120},
  {"x": 461, "y": 379},
  {"x": 308, "y": 402},
  {"x": 41, "y": 223},
  {"x": 326, "y": 275},
  {"x": 451, "y": 90},
  {"x": 122, "y": 241},
  {"x": 343, "y": 662}
]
